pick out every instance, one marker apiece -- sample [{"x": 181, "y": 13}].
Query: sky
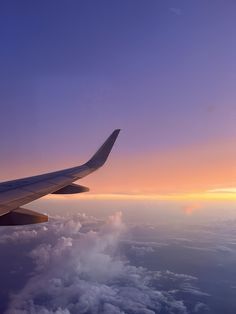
[
  {"x": 156, "y": 232},
  {"x": 163, "y": 72}
]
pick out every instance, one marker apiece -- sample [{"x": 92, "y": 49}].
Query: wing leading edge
[{"x": 16, "y": 193}]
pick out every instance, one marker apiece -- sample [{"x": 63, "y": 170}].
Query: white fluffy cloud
[
  {"x": 83, "y": 272},
  {"x": 19, "y": 236}
]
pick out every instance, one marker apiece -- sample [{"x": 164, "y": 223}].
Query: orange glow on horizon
[
  {"x": 204, "y": 196},
  {"x": 195, "y": 169},
  {"x": 180, "y": 173}
]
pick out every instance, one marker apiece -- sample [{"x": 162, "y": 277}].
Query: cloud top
[{"x": 85, "y": 272}]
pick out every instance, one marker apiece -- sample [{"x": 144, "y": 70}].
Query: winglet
[{"x": 100, "y": 157}]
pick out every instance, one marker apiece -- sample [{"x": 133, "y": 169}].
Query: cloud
[
  {"x": 200, "y": 307},
  {"x": 223, "y": 190},
  {"x": 187, "y": 287},
  {"x": 86, "y": 272},
  {"x": 18, "y": 236},
  {"x": 142, "y": 250}
]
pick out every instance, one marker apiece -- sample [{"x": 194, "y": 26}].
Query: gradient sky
[{"x": 162, "y": 71}]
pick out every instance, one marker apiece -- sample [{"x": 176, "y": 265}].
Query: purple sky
[
  {"x": 163, "y": 71},
  {"x": 71, "y": 72}
]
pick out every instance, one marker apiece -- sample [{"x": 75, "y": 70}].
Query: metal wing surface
[{"x": 16, "y": 193}]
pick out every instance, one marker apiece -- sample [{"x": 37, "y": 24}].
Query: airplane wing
[{"x": 16, "y": 193}]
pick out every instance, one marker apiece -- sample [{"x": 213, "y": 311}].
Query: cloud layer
[{"x": 80, "y": 268}]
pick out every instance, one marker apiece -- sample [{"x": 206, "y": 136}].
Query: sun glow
[{"x": 214, "y": 195}]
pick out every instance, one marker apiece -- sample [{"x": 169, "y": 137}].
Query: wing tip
[
  {"x": 117, "y": 131},
  {"x": 100, "y": 157}
]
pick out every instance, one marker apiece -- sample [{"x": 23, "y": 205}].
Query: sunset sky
[
  {"x": 164, "y": 73},
  {"x": 156, "y": 232}
]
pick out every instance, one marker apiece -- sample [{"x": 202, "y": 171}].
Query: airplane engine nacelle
[{"x": 22, "y": 216}]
